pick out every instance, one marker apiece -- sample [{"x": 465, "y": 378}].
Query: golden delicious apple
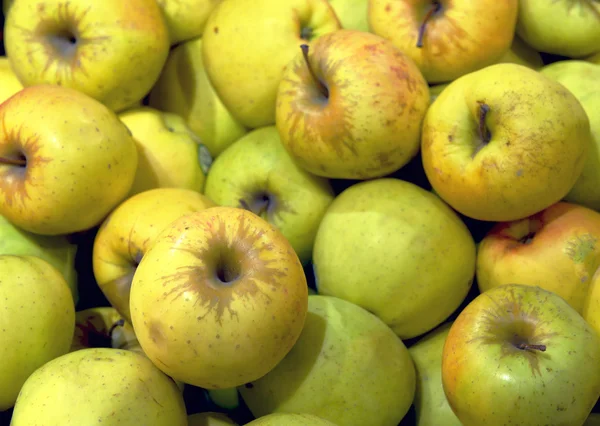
[
  {"x": 257, "y": 173},
  {"x": 9, "y": 83},
  {"x": 562, "y": 27},
  {"x": 398, "y": 251},
  {"x": 579, "y": 76},
  {"x": 446, "y": 39},
  {"x": 247, "y": 45},
  {"x": 183, "y": 88},
  {"x": 186, "y": 18},
  {"x": 210, "y": 419},
  {"x": 523, "y": 54},
  {"x": 352, "y": 108},
  {"x": 111, "y": 50},
  {"x": 65, "y": 160},
  {"x": 37, "y": 321},
  {"x": 129, "y": 231},
  {"x": 352, "y": 14},
  {"x": 519, "y": 354},
  {"x": 431, "y": 404},
  {"x": 344, "y": 355},
  {"x": 219, "y": 298},
  {"x": 290, "y": 419},
  {"x": 504, "y": 142},
  {"x": 56, "y": 250},
  {"x": 170, "y": 154},
  {"x": 112, "y": 387}
]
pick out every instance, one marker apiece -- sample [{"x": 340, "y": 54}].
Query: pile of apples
[{"x": 300, "y": 212}]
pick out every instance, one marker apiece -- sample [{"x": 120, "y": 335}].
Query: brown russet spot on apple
[{"x": 581, "y": 247}]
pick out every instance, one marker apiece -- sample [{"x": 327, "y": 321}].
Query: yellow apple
[
  {"x": 210, "y": 419},
  {"x": 258, "y": 174},
  {"x": 103, "y": 327},
  {"x": 9, "y": 83},
  {"x": 352, "y": 14},
  {"x": 112, "y": 387},
  {"x": 290, "y": 419},
  {"x": 594, "y": 59},
  {"x": 579, "y": 76},
  {"x": 37, "y": 320},
  {"x": 348, "y": 366},
  {"x": 170, "y": 154},
  {"x": 398, "y": 251},
  {"x": 246, "y": 48},
  {"x": 184, "y": 88},
  {"x": 435, "y": 90},
  {"x": 523, "y": 54},
  {"x": 504, "y": 142},
  {"x": 186, "y": 18},
  {"x": 446, "y": 39},
  {"x": 219, "y": 298},
  {"x": 65, "y": 160},
  {"x": 352, "y": 107},
  {"x": 129, "y": 231}
]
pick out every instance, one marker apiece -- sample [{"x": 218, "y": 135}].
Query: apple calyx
[
  {"x": 531, "y": 347},
  {"x": 433, "y": 9},
  {"x": 21, "y": 162},
  {"x": 63, "y": 42},
  {"x": 324, "y": 91}
]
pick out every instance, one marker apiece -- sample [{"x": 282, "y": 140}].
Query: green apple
[
  {"x": 519, "y": 354},
  {"x": 257, "y": 173},
  {"x": 247, "y": 48},
  {"x": 56, "y": 250},
  {"x": 170, "y": 154},
  {"x": 398, "y": 251},
  {"x": 112, "y": 387},
  {"x": 227, "y": 398},
  {"x": 184, "y": 88},
  {"x": 352, "y": 13},
  {"x": 523, "y": 54},
  {"x": 210, "y": 419},
  {"x": 431, "y": 404},
  {"x": 37, "y": 320},
  {"x": 186, "y": 18},
  {"x": 111, "y": 50},
  {"x": 579, "y": 76},
  {"x": 347, "y": 366},
  {"x": 290, "y": 419},
  {"x": 504, "y": 142},
  {"x": 562, "y": 27},
  {"x": 66, "y": 160},
  {"x": 9, "y": 83}
]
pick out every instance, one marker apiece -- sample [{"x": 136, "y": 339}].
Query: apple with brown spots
[
  {"x": 219, "y": 298},
  {"x": 351, "y": 106},
  {"x": 66, "y": 160},
  {"x": 521, "y": 355},
  {"x": 557, "y": 249}
]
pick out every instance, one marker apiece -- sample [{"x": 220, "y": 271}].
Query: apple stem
[
  {"x": 527, "y": 346},
  {"x": 435, "y": 7},
  {"x": 119, "y": 323},
  {"x": 318, "y": 82},
  {"x": 13, "y": 161},
  {"x": 484, "y": 133}
]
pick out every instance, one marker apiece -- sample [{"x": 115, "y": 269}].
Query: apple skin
[
  {"x": 398, "y": 251},
  {"x": 186, "y": 19},
  {"x": 257, "y": 165},
  {"x": 593, "y": 420},
  {"x": 170, "y": 154},
  {"x": 290, "y": 419},
  {"x": 210, "y": 419},
  {"x": 464, "y": 36},
  {"x": 9, "y": 83},
  {"x": 567, "y": 28},
  {"x": 81, "y": 160},
  {"x": 523, "y": 54},
  {"x": 219, "y": 298},
  {"x": 37, "y": 321},
  {"x": 540, "y": 136},
  {"x": 119, "y": 49},
  {"x": 521, "y": 386},
  {"x": 369, "y": 125},
  {"x": 345, "y": 354},
  {"x": 128, "y": 232},
  {"x": 184, "y": 88},
  {"x": 100, "y": 385},
  {"x": 556, "y": 249},
  {"x": 246, "y": 49},
  {"x": 352, "y": 14},
  {"x": 594, "y": 59},
  {"x": 431, "y": 404},
  {"x": 579, "y": 76}
]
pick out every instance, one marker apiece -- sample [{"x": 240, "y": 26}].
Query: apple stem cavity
[
  {"x": 531, "y": 347},
  {"x": 324, "y": 91},
  {"x": 484, "y": 133},
  {"x": 435, "y": 8},
  {"x": 260, "y": 205},
  {"x": 119, "y": 323},
  {"x": 21, "y": 162}
]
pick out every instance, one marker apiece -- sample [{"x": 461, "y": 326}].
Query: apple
[
  {"x": 186, "y": 19},
  {"x": 523, "y": 54},
  {"x": 446, "y": 39},
  {"x": 435, "y": 90},
  {"x": 113, "y": 387},
  {"x": 65, "y": 159},
  {"x": 344, "y": 355},
  {"x": 56, "y": 250},
  {"x": 579, "y": 76},
  {"x": 245, "y": 50},
  {"x": 351, "y": 107},
  {"x": 290, "y": 419},
  {"x": 431, "y": 404},
  {"x": 9, "y": 83},
  {"x": 110, "y": 50},
  {"x": 396, "y": 250},
  {"x": 210, "y": 418},
  {"x": 170, "y": 154},
  {"x": 594, "y": 59},
  {"x": 227, "y": 398},
  {"x": 593, "y": 420},
  {"x": 184, "y": 88},
  {"x": 526, "y": 347},
  {"x": 219, "y": 298},
  {"x": 128, "y": 232},
  {"x": 562, "y": 27},
  {"x": 37, "y": 321},
  {"x": 504, "y": 142},
  {"x": 352, "y": 14},
  {"x": 103, "y": 327},
  {"x": 257, "y": 173}
]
